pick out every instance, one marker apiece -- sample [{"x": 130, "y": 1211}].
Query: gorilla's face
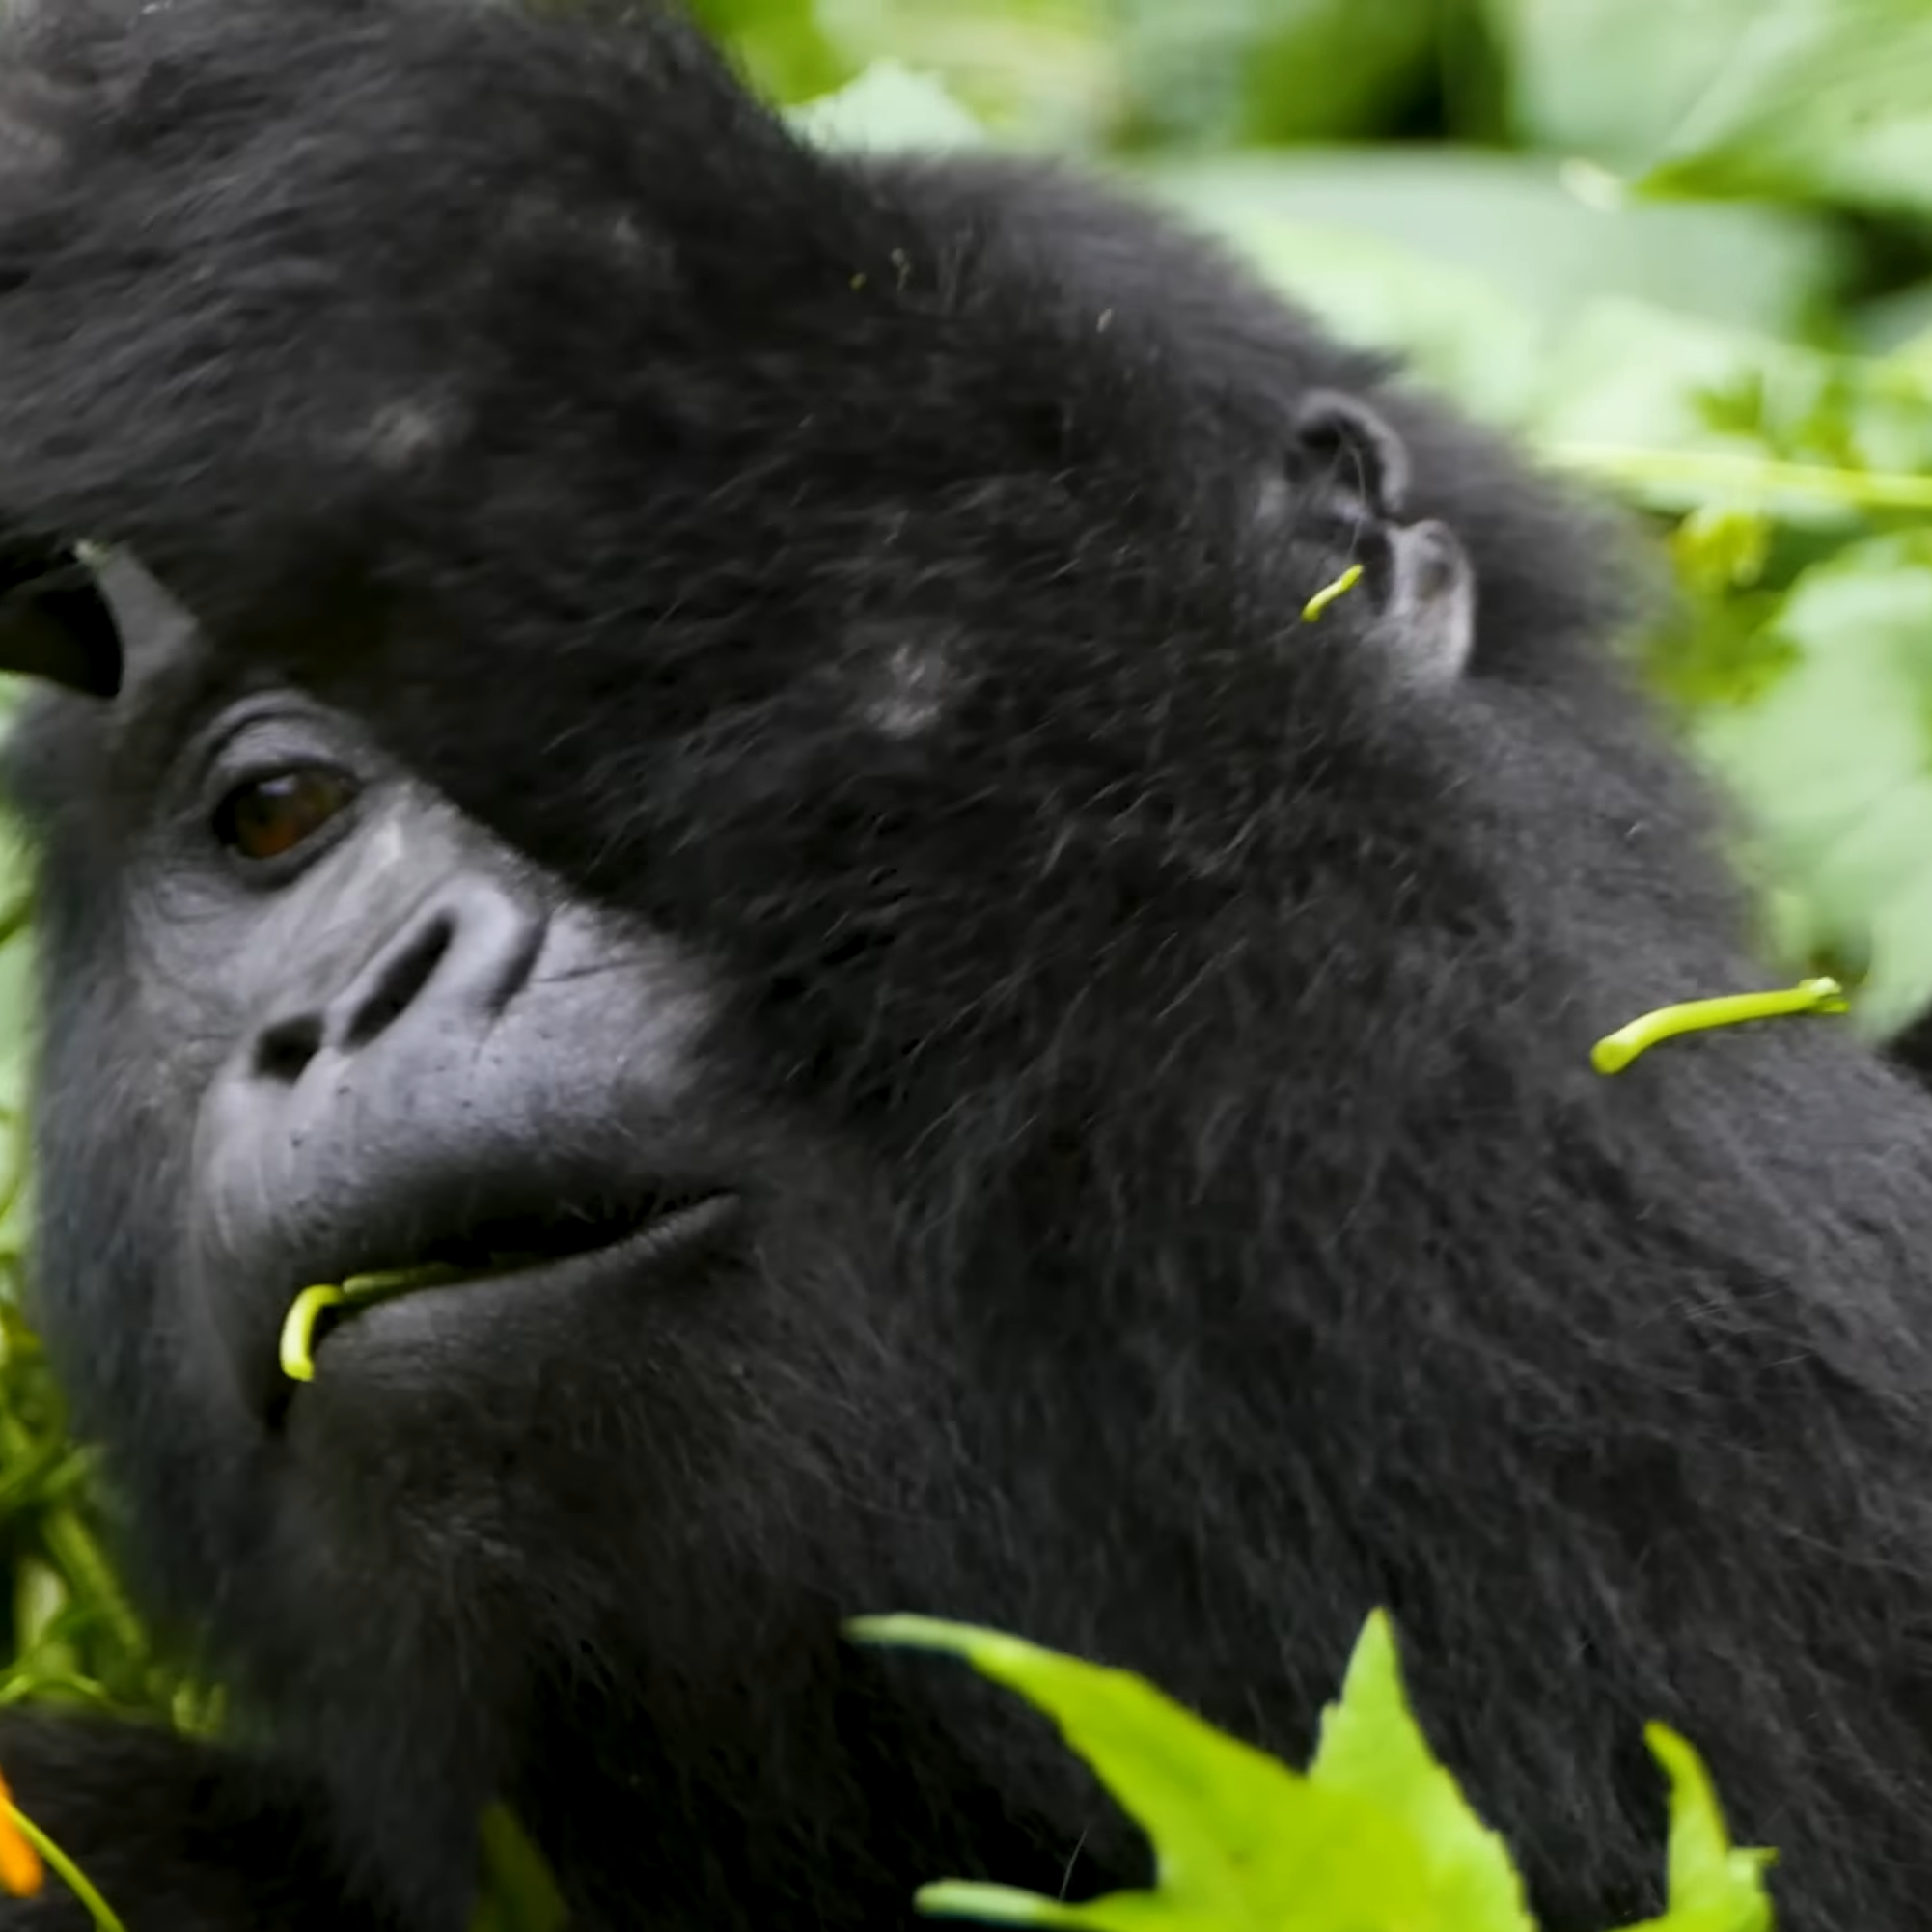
[
  {"x": 422, "y": 1066},
  {"x": 354, "y": 1036}
]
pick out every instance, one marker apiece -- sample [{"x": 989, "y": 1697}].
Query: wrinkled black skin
[{"x": 1148, "y": 1032}]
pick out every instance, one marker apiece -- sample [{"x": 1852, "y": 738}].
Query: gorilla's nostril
[
  {"x": 398, "y": 981},
  {"x": 284, "y": 1050}
]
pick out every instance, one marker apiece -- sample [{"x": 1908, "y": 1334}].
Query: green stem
[
  {"x": 1716, "y": 471},
  {"x": 77, "y": 1881},
  {"x": 17, "y": 1688},
  {"x": 72, "y": 1546}
]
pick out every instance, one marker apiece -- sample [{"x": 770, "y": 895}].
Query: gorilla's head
[
  {"x": 713, "y": 781},
  {"x": 617, "y": 1347},
  {"x": 468, "y": 1216}
]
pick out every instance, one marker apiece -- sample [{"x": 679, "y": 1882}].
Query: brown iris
[{"x": 270, "y": 816}]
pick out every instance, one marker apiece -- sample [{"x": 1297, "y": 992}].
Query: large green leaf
[
  {"x": 1239, "y": 71},
  {"x": 1375, "y": 1837},
  {"x": 1827, "y": 98},
  {"x": 1714, "y": 1887},
  {"x": 1613, "y": 78},
  {"x": 1519, "y": 224},
  {"x": 517, "y": 1892},
  {"x": 778, "y": 42},
  {"x": 1371, "y": 1747},
  {"x": 1241, "y": 1842},
  {"x": 1832, "y": 763},
  {"x": 889, "y": 106},
  {"x": 1474, "y": 268},
  {"x": 1043, "y": 72}
]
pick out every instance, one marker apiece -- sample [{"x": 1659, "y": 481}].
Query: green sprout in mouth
[
  {"x": 306, "y": 1311},
  {"x": 507, "y": 1247}
]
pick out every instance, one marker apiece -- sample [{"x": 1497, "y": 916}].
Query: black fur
[{"x": 886, "y": 580}]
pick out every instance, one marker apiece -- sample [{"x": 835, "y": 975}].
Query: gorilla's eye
[{"x": 270, "y": 816}]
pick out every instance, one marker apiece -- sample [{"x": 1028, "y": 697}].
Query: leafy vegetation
[
  {"x": 1374, "y": 1836},
  {"x": 1682, "y": 248}
]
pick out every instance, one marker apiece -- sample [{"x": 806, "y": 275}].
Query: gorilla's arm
[{"x": 176, "y": 1835}]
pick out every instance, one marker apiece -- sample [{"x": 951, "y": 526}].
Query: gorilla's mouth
[{"x": 669, "y": 1226}]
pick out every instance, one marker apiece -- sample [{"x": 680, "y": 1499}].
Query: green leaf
[
  {"x": 1038, "y": 71},
  {"x": 1832, "y": 762},
  {"x": 779, "y": 43},
  {"x": 1372, "y": 1748},
  {"x": 1821, "y": 98},
  {"x": 1613, "y": 78},
  {"x": 518, "y": 1893},
  {"x": 1375, "y": 1838},
  {"x": 1249, "y": 72},
  {"x": 1548, "y": 239},
  {"x": 1241, "y": 1843},
  {"x": 889, "y": 106},
  {"x": 1714, "y": 1887}
]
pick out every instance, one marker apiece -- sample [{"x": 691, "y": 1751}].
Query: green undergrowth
[{"x": 1374, "y": 1836}]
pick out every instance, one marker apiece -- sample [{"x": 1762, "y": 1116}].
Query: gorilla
[{"x": 691, "y": 774}]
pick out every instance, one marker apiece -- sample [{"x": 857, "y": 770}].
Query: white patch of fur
[
  {"x": 904, "y": 688},
  {"x": 28, "y": 112},
  {"x": 1271, "y": 503},
  {"x": 541, "y": 220},
  {"x": 404, "y": 434},
  {"x": 627, "y": 240}
]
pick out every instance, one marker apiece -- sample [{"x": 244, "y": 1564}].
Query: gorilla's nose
[
  {"x": 374, "y": 1106},
  {"x": 454, "y": 966}
]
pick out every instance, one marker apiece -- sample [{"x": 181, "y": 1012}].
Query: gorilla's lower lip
[{"x": 667, "y": 1234}]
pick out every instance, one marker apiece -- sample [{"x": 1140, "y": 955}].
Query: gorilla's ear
[
  {"x": 54, "y": 622},
  {"x": 1363, "y": 461}
]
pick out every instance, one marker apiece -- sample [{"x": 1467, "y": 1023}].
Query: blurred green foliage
[{"x": 1681, "y": 248}]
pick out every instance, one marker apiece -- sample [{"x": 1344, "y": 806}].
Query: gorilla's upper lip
[
  {"x": 509, "y": 1241},
  {"x": 663, "y": 1227}
]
